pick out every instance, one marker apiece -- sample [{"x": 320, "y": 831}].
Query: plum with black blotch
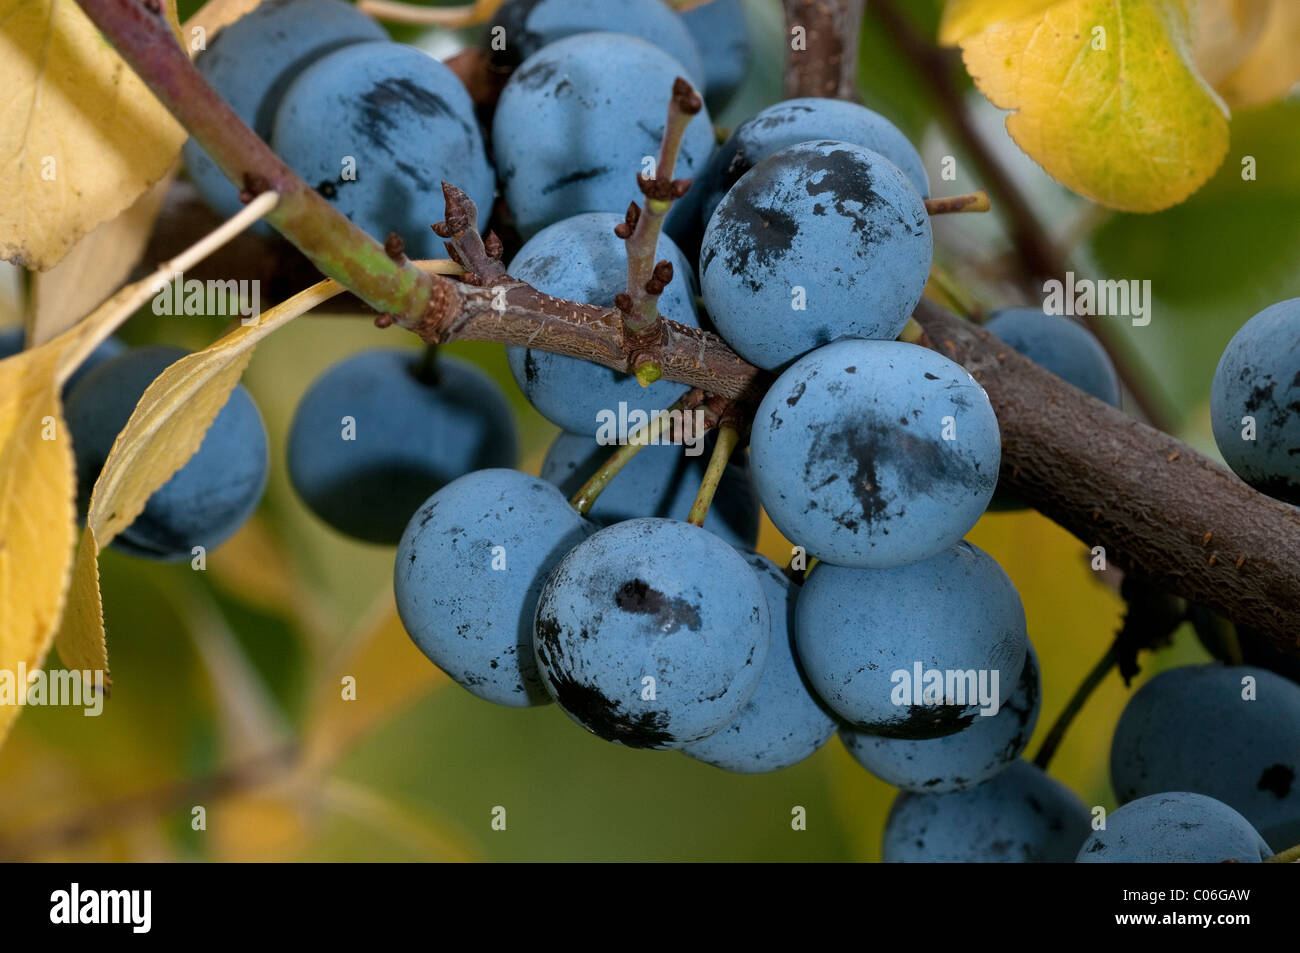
[
  {"x": 819, "y": 241},
  {"x": 1175, "y": 827},
  {"x": 652, "y": 633},
  {"x": 377, "y": 128},
  {"x": 860, "y": 634}
]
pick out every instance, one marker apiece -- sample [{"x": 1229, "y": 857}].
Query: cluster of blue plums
[{"x": 806, "y": 244}]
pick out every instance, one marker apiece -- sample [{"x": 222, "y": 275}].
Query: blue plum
[
  {"x": 532, "y": 24},
  {"x": 659, "y": 481},
  {"x": 783, "y": 722},
  {"x": 721, "y": 34},
  {"x": 1258, "y": 377},
  {"x": 1191, "y": 729},
  {"x": 581, "y": 259},
  {"x": 1064, "y": 347},
  {"x": 803, "y": 120},
  {"x": 1020, "y": 816},
  {"x": 1174, "y": 828},
  {"x": 652, "y": 633},
  {"x": 875, "y": 453},
  {"x": 12, "y": 340},
  {"x": 377, "y": 128},
  {"x": 862, "y": 634},
  {"x": 576, "y": 123},
  {"x": 378, "y": 432},
  {"x": 819, "y": 241},
  {"x": 251, "y": 63},
  {"x": 204, "y": 502},
  {"x": 468, "y": 572},
  {"x": 960, "y": 761}
]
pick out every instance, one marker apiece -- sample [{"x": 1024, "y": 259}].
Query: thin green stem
[
  {"x": 585, "y": 498},
  {"x": 1074, "y": 706},
  {"x": 728, "y": 438}
]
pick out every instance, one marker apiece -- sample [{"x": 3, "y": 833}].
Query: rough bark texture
[
  {"x": 828, "y": 65},
  {"x": 1159, "y": 508}
]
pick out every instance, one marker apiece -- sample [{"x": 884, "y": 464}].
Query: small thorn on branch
[
  {"x": 394, "y": 247},
  {"x": 464, "y": 243},
  {"x": 971, "y": 202}
]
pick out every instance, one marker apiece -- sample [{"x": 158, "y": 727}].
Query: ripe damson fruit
[
  {"x": 381, "y": 430},
  {"x": 576, "y": 122},
  {"x": 659, "y": 481},
  {"x": 377, "y": 128},
  {"x": 468, "y": 572},
  {"x": 875, "y": 453},
  {"x": 251, "y": 63},
  {"x": 864, "y": 634},
  {"x": 803, "y": 120},
  {"x": 819, "y": 241},
  {"x": 581, "y": 259},
  {"x": 652, "y": 633},
  {"x": 783, "y": 722},
  {"x": 1175, "y": 828},
  {"x": 532, "y": 24},
  {"x": 721, "y": 34},
  {"x": 204, "y": 502},
  {"x": 955, "y": 762},
  {"x": 1020, "y": 816},
  {"x": 1255, "y": 402},
  {"x": 1231, "y": 733}
]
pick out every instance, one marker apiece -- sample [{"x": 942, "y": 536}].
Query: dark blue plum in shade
[
  {"x": 1231, "y": 733},
  {"x": 1064, "y": 347},
  {"x": 1259, "y": 377},
  {"x": 659, "y": 481},
  {"x": 409, "y": 124},
  {"x": 819, "y": 241},
  {"x": 1020, "y": 816},
  {"x": 578, "y": 120},
  {"x": 783, "y": 722},
  {"x": 1175, "y": 827},
  {"x": 251, "y": 63},
  {"x": 652, "y": 633},
  {"x": 468, "y": 572},
  {"x": 210, "y": 497},
  {"x": 414, "y": 431}
]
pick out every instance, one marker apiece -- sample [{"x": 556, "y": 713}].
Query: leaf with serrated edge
[
  {"x": 1132, "y": 126},
  {"x": 37, "y": 515},
  {"x": 83, "y": 136}
]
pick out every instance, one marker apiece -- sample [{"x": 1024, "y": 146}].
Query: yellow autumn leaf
[
  {"x": 82, "y": 138},
  {"x": 94, "y": 268},
  {"x": 1104, "y": 96},
  {"x": 37, "y": 516}
]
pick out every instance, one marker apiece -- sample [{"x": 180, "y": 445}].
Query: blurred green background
[{"x": 226, "y": 682}]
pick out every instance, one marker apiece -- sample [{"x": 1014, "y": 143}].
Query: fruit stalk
[
  {"x": 728, "y": 438},
  {"x": 337, "y": 247},
  {"x": 647, "y": 277},
  {"x": 1154, "y": 504},
  {"x": 827, "y": 63}
]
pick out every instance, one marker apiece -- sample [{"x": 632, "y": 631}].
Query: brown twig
[{"x": 822, "y": 60}]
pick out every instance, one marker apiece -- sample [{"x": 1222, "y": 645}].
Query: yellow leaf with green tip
[{"x": 1105, "y": 96}]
